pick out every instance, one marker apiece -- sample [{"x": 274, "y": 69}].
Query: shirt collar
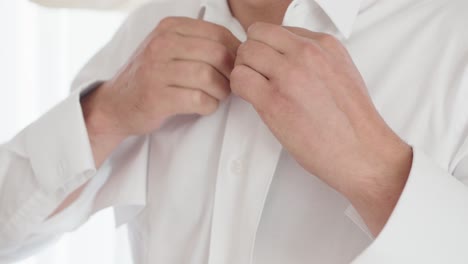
[
  {"x": 343, "y": 13},
  {"x": 217, "y": 11}
]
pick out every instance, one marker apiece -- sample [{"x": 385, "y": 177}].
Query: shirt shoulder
[
  {"x": 149, "y": 14},
  {"x": 441, "y": 16},
  {"x": 452, "y": 17},
  {"x": 439, "y": 23}
]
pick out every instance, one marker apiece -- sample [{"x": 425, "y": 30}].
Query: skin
[
  {"x": 149, "y": 88},
  {"x": 303, "y": 84},
  {"x": 308, "y": 91}
]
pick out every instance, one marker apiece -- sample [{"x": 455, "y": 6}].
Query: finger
[
  {"x": 305, "y": 33},
  {"x": 327, "y": 42},
  {"x": 203, "y": 50},
  {"x": 250, "y": 85},
  {"x": 198, "y": 28},
  {"x": 274, "y": 36},
  {"x": 189, "y": 101},
  {"x": 261, "y": 58},
  {"x": 197, "y": 75}
]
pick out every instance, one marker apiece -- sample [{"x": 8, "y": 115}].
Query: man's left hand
[{"x": 308, "y": 91}]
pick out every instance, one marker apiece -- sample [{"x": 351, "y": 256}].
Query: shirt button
[{"x": 237, "y": 167}]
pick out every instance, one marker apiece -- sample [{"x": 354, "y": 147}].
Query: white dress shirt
[
  {"x": 93, "y": 4},
  {"x": 221, "y": 189}
]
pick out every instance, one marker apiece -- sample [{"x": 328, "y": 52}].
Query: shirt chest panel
[
  {"x": 185, "y": 185},
  {"x": 412, "y": 70}
]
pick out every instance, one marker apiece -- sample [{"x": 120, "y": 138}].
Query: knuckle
[
  {"x": 312, "y": 52},
  {"x": 310, "y": 49},
  {"x": 222, "y": 56},
  {"x": 167, "y": 23},
  {"x": 255, "y": 27},
  {"x": 203, "y": 103},
  {"x": 198, "y": 98},
  {"x": 328, "y": 40},
  {"x": 162, "y": 42},
  {"x": 263, "y": 29},
  {"x": 235, "y": 73},
  {"x": 236, "y": 80},
  {"x": 248, "y": 51},
  {"x": 206, "y": 74},
  {"x": 248, "y": 46},
  {"x": 242, "y": 50},
  {"x": 222, "y": 33}
]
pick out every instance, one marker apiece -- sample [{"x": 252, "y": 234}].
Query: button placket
[
  {"x": 247, "y": 164},
  {"x": 238, "y": 167}
]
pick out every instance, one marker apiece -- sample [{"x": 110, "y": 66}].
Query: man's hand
[
  {"x": 308, "y": 91},
  {"x": 183, "y": 67}
]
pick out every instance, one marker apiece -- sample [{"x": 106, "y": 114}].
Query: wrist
[
  {"x": 376, "y": 195},
  {"x": 103, "y": 127}
]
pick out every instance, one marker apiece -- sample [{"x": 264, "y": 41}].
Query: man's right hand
[{"x": 183, "y": 67}]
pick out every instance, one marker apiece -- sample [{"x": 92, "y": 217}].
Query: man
[{"x": 220, "y": 136}]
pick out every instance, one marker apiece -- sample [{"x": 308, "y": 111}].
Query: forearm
[
  {"x": 375, "y": 197},
  {"x": 429, "y": 222},
  {"x": 102, "y": 135},
  {"x": 103, "y": 130}
]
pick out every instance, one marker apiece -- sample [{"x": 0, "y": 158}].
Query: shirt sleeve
[
  {"x": 430, "y": 221},
  {"x": 39, "y": 168},
  {"x": 52, "y": 157}
]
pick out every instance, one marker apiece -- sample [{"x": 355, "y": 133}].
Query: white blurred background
[{"x": 41, "y": 50}]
